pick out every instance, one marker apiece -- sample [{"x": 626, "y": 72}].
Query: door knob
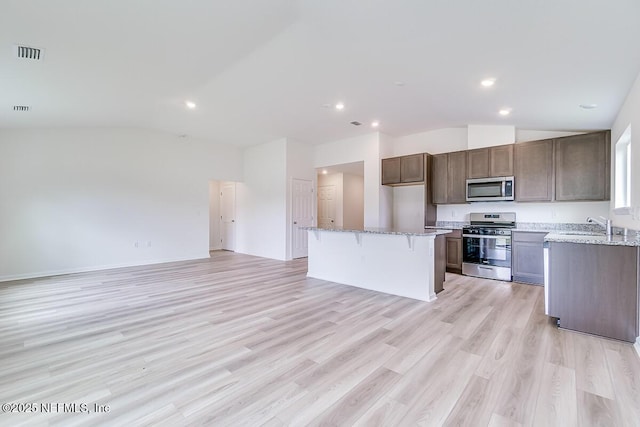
[{"x": 295, "y": 222}]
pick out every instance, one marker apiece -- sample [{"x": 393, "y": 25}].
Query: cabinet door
[
  {"x": 478, "y": 163},
  {"x": 391, "y": 171},
  {"x": 594, "y": 288},
  {"x": 457, "y": 177},
  {"x": 454, "y": 255},
  {"x": 534, "y": 171},
  {"x": 412, "y": 168},
  {"x": 438, "y": 179},
  {"x": 501, "y": 160},
  {"x": 527, "y": 257},
  {"x": 582, "y": 167}
]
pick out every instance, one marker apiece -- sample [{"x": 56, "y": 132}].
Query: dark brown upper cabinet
[
  {"x": 501, "y": 160},
  {"x": 490, "y": 162},
  {"x": 449, "y": 178},
  {"x": 391, "y": 171},
  {"x": 439, "y": 165},
  {"x": 582, "y": 165},
  {"x": 457, "y": 177},
  {"x": 404, "y": 170},
  {"x": 534, "y": 171},
  {"x": 478, "y": 163}
]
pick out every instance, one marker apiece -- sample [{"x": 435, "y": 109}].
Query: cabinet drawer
[{"x": 528, "y": 236}]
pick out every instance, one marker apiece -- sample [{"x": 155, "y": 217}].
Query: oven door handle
[{"x": 478, "y": 236}]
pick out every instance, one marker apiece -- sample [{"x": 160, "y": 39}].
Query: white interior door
[
  {"x": 326, "y": 206},
  {"x": 228, "y": 216},
  {"x": 301, "y": 215}
]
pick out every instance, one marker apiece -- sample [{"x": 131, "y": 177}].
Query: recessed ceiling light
[
  {"x": 324, "y": 172},
  {"x": 375, "y": 124},
  {"x": 488, "y": 82},
  {"x": 339, "y": 106},
  {"x": 504, "y": 112},
  {"x": 588, "y": 106},
  {"x": 190, "y": 105}
]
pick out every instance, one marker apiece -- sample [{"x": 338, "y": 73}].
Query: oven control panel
[{"x": 487, "y": 231}]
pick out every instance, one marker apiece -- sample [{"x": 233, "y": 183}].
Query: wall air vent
[
  {"x": 356, "y": 123},
  {"x": 20, "y": 108},
  {"x": 26, "y": 52}
]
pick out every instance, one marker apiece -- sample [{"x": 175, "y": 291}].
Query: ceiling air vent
[
  {"x": 26, "y": 52},
  {"x": 356, "y": 123},
  {"x": 20, "y": 108}
]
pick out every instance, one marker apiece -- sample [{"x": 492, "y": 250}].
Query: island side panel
[{"x": 394, "y": 264}]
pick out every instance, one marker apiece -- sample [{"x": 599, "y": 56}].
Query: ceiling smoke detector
[
  {"x": 355, "y": 123},
  {"x": 21, "y": 108},
  {"x": 32, "y": 53}
]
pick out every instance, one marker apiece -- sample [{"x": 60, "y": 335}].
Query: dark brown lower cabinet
[
  {"x": 527, "y": 257},
  {"x": 440, "y": 262},
  {"x": 594, "y": 288},
  {"x": 454, "y": 251}
]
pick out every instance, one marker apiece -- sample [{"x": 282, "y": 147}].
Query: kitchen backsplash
[{"x": 544, "y": 226}]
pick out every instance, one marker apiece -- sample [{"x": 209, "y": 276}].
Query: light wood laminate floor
[{"x": 239, "y": 340}]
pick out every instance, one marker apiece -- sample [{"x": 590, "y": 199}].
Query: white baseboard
[
  {"x": 88, "y": 269},
  {"x": 637, "y": 346}
]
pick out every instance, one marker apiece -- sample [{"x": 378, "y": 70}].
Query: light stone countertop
[
  {"x": 393, "y": 231},
  {"x": 593, "y": 239}
]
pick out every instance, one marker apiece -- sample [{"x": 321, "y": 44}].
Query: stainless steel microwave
[{"x": 490, "y": 189}]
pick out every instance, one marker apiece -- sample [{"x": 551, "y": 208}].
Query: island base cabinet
[{"x": 594, "y": 288}]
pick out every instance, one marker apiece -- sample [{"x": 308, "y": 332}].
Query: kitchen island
[{"x": 408, "y": 263}]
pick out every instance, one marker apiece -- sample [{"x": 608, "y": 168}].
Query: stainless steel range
[{"x": 486, "y": 245}]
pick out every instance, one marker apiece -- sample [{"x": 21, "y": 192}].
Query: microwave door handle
[{"x": 504, "y": 187}]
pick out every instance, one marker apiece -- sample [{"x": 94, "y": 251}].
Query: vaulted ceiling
[{"x": 259, "y": 70}]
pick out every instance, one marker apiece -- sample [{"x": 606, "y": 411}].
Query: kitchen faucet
[{"x": 606, "y": 223}]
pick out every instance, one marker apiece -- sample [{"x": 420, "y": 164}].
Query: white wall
[
  {"x": 385, "y": 210},
  {"x": 433, "y": 142},
  {"x": 557, "y": 212},
  {"x": 629, "y": 115},
  {"x": 353, "y": 201},
  {"x": 480, "y": 136},
  {"x": 78, "y": 200},
  {"x": 214, "y": 215},
  {"x": 408, "y": 207},
  {"x": 261, "y": 201},
  {"x": 524, "y": 135},
  {"x": 365, "y": 149}
]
